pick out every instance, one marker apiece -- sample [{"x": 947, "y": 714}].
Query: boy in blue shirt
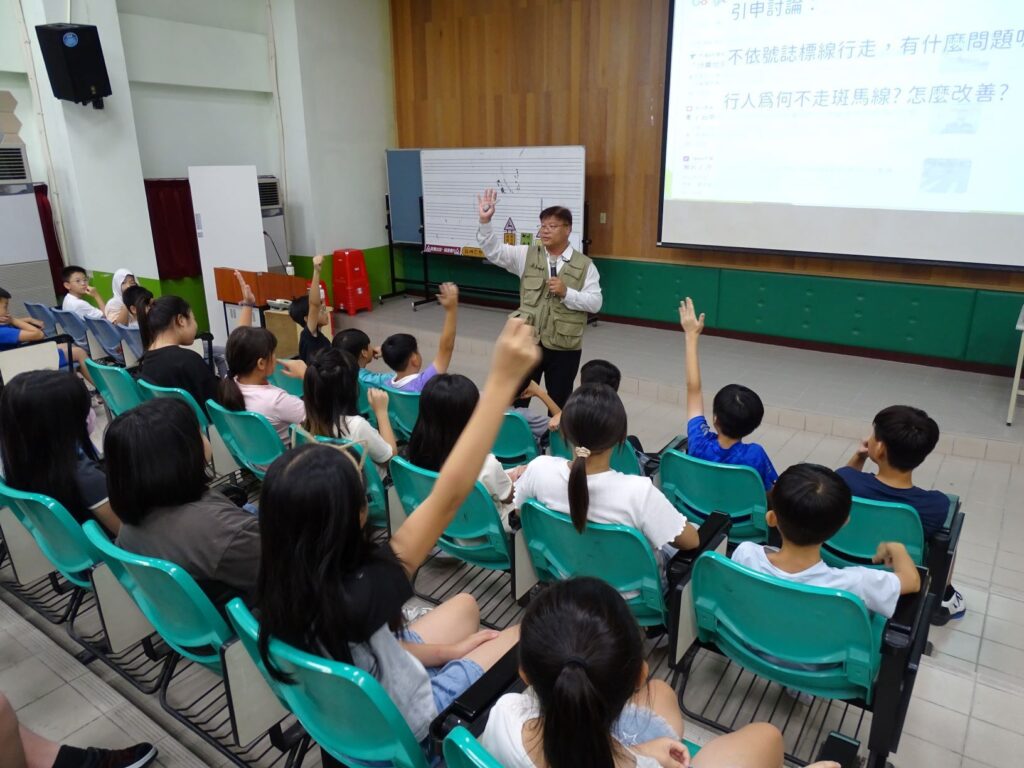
[
  {"x": 357, "y": 343},
  {"x": 737, "y": 411},
  {"x": 20, "y": 330},
  {"x": 901, "y": 439}
]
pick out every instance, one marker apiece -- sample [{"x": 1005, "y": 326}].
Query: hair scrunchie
[{"x": 581, "y": 452}]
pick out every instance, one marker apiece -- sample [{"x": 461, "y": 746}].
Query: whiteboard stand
[
  {"x": 1016, "y": 391},
  {"x": 388, "y": 225}
]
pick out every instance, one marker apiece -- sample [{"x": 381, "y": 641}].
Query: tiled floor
[{"x": 968, "y": 708}]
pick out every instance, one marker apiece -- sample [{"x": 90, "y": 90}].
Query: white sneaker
[{"x": 950, "y": 610}]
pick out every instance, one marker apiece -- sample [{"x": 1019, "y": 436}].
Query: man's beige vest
[{"x": 560, "y": 328}]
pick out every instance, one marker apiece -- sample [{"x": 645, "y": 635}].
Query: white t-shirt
[
  {"x": 880, "y": 590},
  {"x": 280, "y": 408},
  {"x": 80, "y": 307},
  {"x": 614, "y": 498},
  {"x": 496, "y": 480},
  {"x": 503, "y": 736},
  {"x": 357, "y": 429}
]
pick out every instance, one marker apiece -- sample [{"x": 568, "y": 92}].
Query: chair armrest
[
  {"x": 472, "y": 706},
  {"x": 906, "y": 623},
  {"x": 714, "y": 530}
]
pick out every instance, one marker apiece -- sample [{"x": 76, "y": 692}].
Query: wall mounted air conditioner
[{"x": 274, "y": 233}]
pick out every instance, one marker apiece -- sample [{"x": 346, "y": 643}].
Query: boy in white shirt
[
  {"x": 811, "y": 503},
  {"x": 76, "y": 283}
]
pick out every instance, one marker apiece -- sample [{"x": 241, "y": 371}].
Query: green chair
[
  {"x": 623, "y": 459},
  {"x": 120, "y": 392},
  {"x": 363, "y": 405},
  {"x": 344, "y": 709},
  {"x": 150, "y": 391},
  {"x": 289, "y": 384},
  {"x": 617, "y": 554},
  {"x": 515, "y": 444},
  {"x": 872, "y": 522},
  {"x": 403, "y": 410},
  {"x": 697, "y": 488},
  {"x": 376, "y": 494},
  {"x": 249, "y": 436}
]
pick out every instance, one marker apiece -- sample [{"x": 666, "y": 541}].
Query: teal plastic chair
[
  {"x": 289, "y": 384},
  {"x": 872, "y": 522},
  {"x": 697, "y": 488},
  {"x": 149, "y": 391},
  {"x": 515, "y": 444},
  {"x": 617, "y": 554},
  {"x": 476, "y": 519},
  {"x": 249, "y": 436},
  {"x": 403, "y": 410},
  {"x": 623, "y": 459},
  {"x": 376, "y": 494},
  {"x": 363, "y": 405},
  {"x": 344, "y": 709},
  {"x": 118, "y": 389},
  {"x": 170, "y": 600}
]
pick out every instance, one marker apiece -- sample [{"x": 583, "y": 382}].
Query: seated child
[
  {"x": 402, "y": 355},
  {"x": 901, "y": 439},
  {"x": 20, "y": 330},
  {"x": 116, "y": 310},
  {"x": 811, "y": 503},
  {"x": 136, "y": 299},
  {"x": 76, "y": 283},
  {"x": 251, "y": 360},
  {"x": 357, "y": 343},
  {"x": 310, "y": 313},
  {"x": 737, "y": 411},
  {"x": 590, "y": 702}
]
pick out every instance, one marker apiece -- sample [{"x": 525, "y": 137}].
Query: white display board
[
  {"x": 229, "y": 228},
  {"x": 20, "y": 225},
  {"x": 528, "y": 180}
]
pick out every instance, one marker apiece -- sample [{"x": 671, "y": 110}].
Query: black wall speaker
[{"x": 74, "y": 62}]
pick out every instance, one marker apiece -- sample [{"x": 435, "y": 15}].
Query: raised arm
[
  {"x": 692, "y": 326},
  {"x": 509, "y": 257},
  {"x": 378, "y": 400},
  {"x": 315, "y": 303},
  {"x": 515, "y": 355},
  {"x": 248, "y": 300},
  {"x": 533, "y": 389},
  {"x": 894, "y": 555},
  {"x": 449, "y": 299}
]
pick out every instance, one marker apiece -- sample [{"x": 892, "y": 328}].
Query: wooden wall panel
[{"x": 591, "y": 72}]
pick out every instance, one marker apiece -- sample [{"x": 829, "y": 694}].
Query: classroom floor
[{"x": 968, "y": 708}]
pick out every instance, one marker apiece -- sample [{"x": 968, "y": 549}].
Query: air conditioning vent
[
  {"x": 14, "y": 166},
  {"x": 270, "y": 195}
]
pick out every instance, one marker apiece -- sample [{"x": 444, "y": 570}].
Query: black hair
[
  {"x": 137, "y": 297},
  {"x": 155, "y": 458},
  {"x": 351, "y": 340},
  {"x": 601, "y": 372},
  {"x": 330, "y": 391},
  {"x": 246, "y": 346},
  {"x": 580, "y": 649},
  {"x": 811, "y": 503},
  {"x": 307, "y": 559},
  {"x": 299, "y": 309},
  {"x": 53, "y": 407},
  {"x": 160, "y": 315},
  {"x": 559, "y": 212},
  {"x": 738, "y": 410},
  {"x": 397, "y": 349},
  {"x": 4, "y": 294},
  {"x": 593, "y": 418},
  {"x": 70, "y": 271},
  {"x": 909, "y": 435},
  {"x": 446, "y": 403}
]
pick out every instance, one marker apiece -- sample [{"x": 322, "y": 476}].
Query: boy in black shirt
[{"x": 310, "y": 312}]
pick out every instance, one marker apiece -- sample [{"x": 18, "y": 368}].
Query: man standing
[{"x": 558, "y": 286}]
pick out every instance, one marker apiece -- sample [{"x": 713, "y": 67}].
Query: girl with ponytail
[
  {"x": 587, "y": 489},
  {"x": 589, "y": 701}
]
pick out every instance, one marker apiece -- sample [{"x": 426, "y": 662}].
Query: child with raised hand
[
  {"x": 330, "y": 391},
  {"x": 590, "y": 701},
  {"x": 587, "y": 489},
  {"x": 811, "y": 503},
  {"x": 311, "y": 313},
  {"x": 737, "y": 411},
  {"x": 346, "y": 601},
  {"x": 401, "y": 351}
]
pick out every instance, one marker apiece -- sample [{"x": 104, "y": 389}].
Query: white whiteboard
[{"x": 528, "y": 180}]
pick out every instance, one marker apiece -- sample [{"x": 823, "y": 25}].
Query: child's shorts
[
  {"x": 637, "y": 725},
  {"x": 450, "y": 681}
]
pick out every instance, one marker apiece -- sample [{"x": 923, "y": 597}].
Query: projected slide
[{"x": 889, "y": 128}]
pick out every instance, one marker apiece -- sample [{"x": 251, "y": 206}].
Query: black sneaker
[{"x": 130, "y": 757}]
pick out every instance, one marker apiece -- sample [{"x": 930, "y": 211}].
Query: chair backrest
[
  {"x": 872, "y": 522},
  {"x": 515, "y": 443},
  {"x": 106, "y": 333},
  {"x": 117, "y": 387},
  {"x": 150, "y": 391},
  {"x": 169, "y": 598},
  {"x": 57, "y": 533},
  {"x": 252, "y": 440},
  {"x": 462, "y": 750},
  {"x": 289, "y": 384},
  {"x": 617, "y": 554},
  {"x": 476, "y": 519},
  {"x": 43, "y": 314},
  {"x": 40, "y": 356},
  {"x": 131, "y": 344},
  {"x": 343, "y": 708},
  {"x": 403, "y": 410},
  {"x": 73, "y": 326},
  {"x": 697, "y": 488},
  {"x": 833, "y": 651},
  {"x": 624, "y": 458}
]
